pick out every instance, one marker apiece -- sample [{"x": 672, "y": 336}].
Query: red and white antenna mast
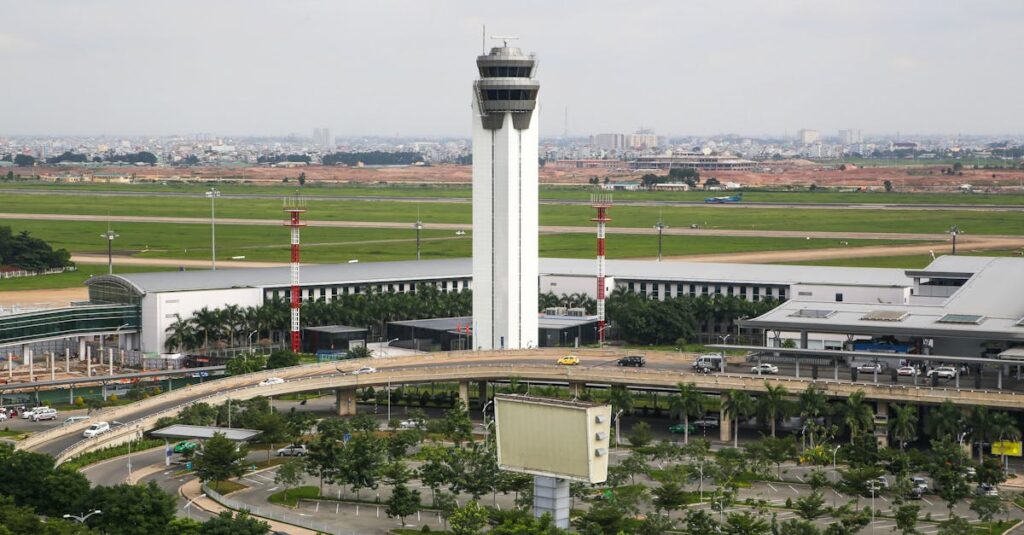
[
  {"x": 602, "y": 203},
  {"x": 294, "y": 207}
]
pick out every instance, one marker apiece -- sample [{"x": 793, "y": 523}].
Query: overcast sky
[{"x": 374, "y": 67}]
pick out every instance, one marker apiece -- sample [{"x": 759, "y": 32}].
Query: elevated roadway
[{"x": 663, "y": 372}]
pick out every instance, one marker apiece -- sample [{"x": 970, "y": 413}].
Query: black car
[{"x": 632, "y": 360}]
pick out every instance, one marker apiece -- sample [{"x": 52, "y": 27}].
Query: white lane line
[
  {"x": 771, "y": 487},
  {"x": 925, "y": 500},
  {"x": 793, "y": 489}
]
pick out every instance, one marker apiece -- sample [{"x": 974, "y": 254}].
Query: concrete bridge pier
[
  {"x": 31, "y": 369},
  {"x": 67, "y": 360},
  {"x": 81, "y": 347},
  {"x": 345, "y": 401},
  {"x": 577, "y": 388},
  {"x": 481, "y": 394},
  {"x": 724, "y": 424},
  {"x": 52, "y": 361},
  {"x": 464, "y": 393},
  {"x": 882, "y": 424},
  {"x": 88, "y": 361},
  {"x": 10, "y": 365}
]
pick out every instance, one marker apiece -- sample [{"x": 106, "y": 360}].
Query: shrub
[{"x": 79, "y": 402}]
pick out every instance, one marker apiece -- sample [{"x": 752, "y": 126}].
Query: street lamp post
[
  {"x": 418, "y": 225},
  {"x": 954, "y": 231},
  {"x": 84, "y": 516},
  {"x": 212, "y": 195},
  {"x": 835, "y": 474},
  {"x": 661, "y": 226},
  {"x": 617, "y": 433},
  {"x": 250, "y": 340},
  {"x": 110, "y": 235}
]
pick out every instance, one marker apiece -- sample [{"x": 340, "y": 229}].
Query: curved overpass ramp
[{"x": 663, "y": 371}]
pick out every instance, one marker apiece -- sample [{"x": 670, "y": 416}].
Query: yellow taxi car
[{"x": 569, "y": 360}]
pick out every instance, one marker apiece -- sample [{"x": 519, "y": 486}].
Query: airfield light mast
[
  {"x": 601, "y": 203},
  {"x": 294, "y": 207}
]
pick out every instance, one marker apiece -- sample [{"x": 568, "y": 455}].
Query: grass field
[
  {"x": 920, "y": 221},
  {"x": 566, "y": 192},
  {"x": 903, "y": 262},
  {"x": 325, "y": 244},
  {"x": 71, "y": 279}
]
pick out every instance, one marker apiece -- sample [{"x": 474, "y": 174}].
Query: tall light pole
[
  {"x": 418, "y": 225},
  {"x": 661, "y": 226},
  {"x": 835, "y": 474},
  {"x": 83, "y": 517},
  {"x": 212, "y": 195},
  {"x": 954, "y": 231},
  {"x": 110, "y": 235}
]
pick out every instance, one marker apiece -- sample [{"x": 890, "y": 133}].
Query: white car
[
  {"x": 870, "y": 367},
  {"x": 765, "y": 369},
  {"x": 410, "y": 424},
  {"x": 96, "y": 429},
  {"x": 906, "y": 371},
  {"x": 271, "y": 381},
  {"x": 27, "y": 415},
  {"x": 295, "y": 450},
  {"x": 364, "y": 369},
  {"x": 3, "y": 415},
  {"x": 919, "y": 483},
  {"x": 942, "y": 372},
  {"x": 44, "y": 414}
]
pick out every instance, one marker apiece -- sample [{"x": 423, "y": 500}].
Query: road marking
[
  {"x": 925, "y": 500},
  {"x": 253, "y": 481},
  {"x": 771, "y": 487},
  {"x": 272, "y": 489},
  {"x": 793, "y": 489}
]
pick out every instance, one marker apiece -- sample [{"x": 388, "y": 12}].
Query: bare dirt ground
[
  {"x": 783, "y": 173},
  {"x": 43, "y": 298}
]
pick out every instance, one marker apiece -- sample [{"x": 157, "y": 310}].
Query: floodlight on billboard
[{"x": 553, "y": 438}]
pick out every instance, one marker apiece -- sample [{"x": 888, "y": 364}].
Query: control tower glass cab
[{"x": 505, "y": 223}]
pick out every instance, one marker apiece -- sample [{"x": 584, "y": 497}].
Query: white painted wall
[
  {"x": 159, "y": 309},
  {"x": 826, "y": 293}
]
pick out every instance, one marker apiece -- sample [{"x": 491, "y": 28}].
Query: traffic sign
[{"x": 1005, "y": 447}]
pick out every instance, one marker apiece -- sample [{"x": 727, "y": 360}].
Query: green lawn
[
  {"x": 901, "y": 262},
  {"x": 715, "y": 217},
  {"x": 69, "y": 279}
]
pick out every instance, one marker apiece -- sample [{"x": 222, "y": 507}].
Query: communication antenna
[
  {"x": 601, "y": 203},
  {"x": 505, "y": 38}
]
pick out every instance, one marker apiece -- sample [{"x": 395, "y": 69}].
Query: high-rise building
[
  {"x": 850, "y": 137},
  {"x": 505, "y": 191},
  {"x": 610, "y": 141},
  {"x": 322, "y": 137},
  {"x": 807, "y": 137}
]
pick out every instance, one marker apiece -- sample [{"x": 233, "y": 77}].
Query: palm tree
[
  {"x": 232, "y": 319},
  {"x": 737, "y": 405},
  {"x": 775, "y": 404},
  {"x": 688, "y": 402},
  {"x": 981, "y": 429},
  {"x": 813, "y": 405},
  {"x": 857, "y": 414},
  {"x": 207, "y": 323},
  {"x": 903, "y": 424},
  {"x": 945, "y": 422},
  {"x": 180, "y": 334},
  {"x": 620, "y": 398}
]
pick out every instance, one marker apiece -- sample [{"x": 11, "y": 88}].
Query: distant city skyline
[{"x": 240, "y": 68}]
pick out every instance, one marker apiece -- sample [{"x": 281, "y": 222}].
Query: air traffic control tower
[{"x": 505, "y": 216}]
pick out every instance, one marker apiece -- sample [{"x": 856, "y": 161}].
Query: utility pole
[
  {"x": 418, "y": 225},
  {"x": 661, "y": 226},
  {"x": 954, "y": 231},
  {"x": 212, "y": 195},
  {"x": 110, "y": 235}
]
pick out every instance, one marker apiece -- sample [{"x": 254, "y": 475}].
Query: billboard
[
  {"x": 1005, "y": 447},
  {"x": 554, "y": 438}
]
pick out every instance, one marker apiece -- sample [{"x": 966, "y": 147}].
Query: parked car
[
  {"x": 985, "y": 489},
  {"x": 27, "y": 414},
  {"x": 73, "y": 420},
  {"x": 364, "y": 369},
  {"x": 185, "y": 446},
  {"x": 44, "y": 414},
  {"x": 295, "y": 450},
  {"x": 271, "y": 381},
  {"x": 680, "y": 428},
  {"x": 711, "y": 362},
  {"x": 882, "y": 482},
  {"x": 906, "y": 371},
  {"x": 919, "y": 483},
  {"x": 569, "y": 360},
  {"x": 971, "y": 473},
  {"x": 633, "y": 360},
  {"x": 915, "y": 493},
  {"x": 942, "y": 372},
  {"x": 765, "y": 369},
  {"x": 707, "y": 421},
  {"x": 870, "y": 367},
  {"x": 410, "y": 424},
  {"x": 96, "y": 429},
  {"x": 3, "y": 415}
]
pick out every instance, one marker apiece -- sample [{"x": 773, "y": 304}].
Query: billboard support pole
[{"x": 551, "y": 496}]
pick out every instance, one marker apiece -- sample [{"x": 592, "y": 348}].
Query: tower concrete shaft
[
  {"x": 505, "y": 216},
  {"x": 294, "y": 208}
]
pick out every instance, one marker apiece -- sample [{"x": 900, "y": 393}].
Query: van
[
  {"x": 44, "y": 414},
  {"x": 709, "y": 362}
]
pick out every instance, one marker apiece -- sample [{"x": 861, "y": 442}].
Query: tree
[
  {"x": 903, "y": 424},
  {"x": 132, "y": 509},
  {"x": 220, "y": 459},
  {"x": 798, "y": 527},
  {"x": 811, "y": 506},
  {"x": 66, "y": 490},
  {"x": 228, "y": 523},
  {"x": 776, "y": 450},
  {"x": 745, "y": 523},
  {"x": 944, "y": 422},
  {"x": 15, "y": 520},
  {"x": 435, "y": 471},
  {"x": 738, "y": 405},
  {"x": 813, "y": 405},
  {"x": 456, "y": 425},
  {"x": 888, "y": 185},
  {"x": 198, "y": 414},
  {"x": 361, "y": 462},
  {"x": 469, "y": 519},
  {"x": 688, "y": 402},
  {"x": 273, "y": 429},
  {"x": 669, "y": 497},
  {"x": 184, "y": 526},
  {"x": 906, "y": 518},
  {"x": 289, "y": 475},
  {"x": 245, "y": 364},
  {"x": 302, "y": 182},
  {"x": 954, "y": 525},
  {"x": 640, "y": 434},
  {"x": 282, "y": 358},
  {"x": 987, "y": 507},
  {"x": 620, "y": 398},
  {"x": 774, "y": 404},
  {"x": 947, "y": 468},
  {"x": 22, "y": 474},
  {"x": 655, "y": 524},
  {"x": 180, "y": 335},
  {"x": 858, "y": 417},
  {"x": 403, "y": 502}
]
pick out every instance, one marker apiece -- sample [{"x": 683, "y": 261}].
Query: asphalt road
[
  {"x": 667, "y": 362},
  {"x": 581, "y": 202}
]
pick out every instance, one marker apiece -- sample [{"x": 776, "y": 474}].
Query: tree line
[
  {"x": 372, "y": 158},
  {"x": 23, "y": 251}
]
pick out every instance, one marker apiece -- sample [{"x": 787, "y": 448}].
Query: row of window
[
  {"x": 332, "y": 292},
  {"x": 510, "y": 94},
  {"x": 506, "y": 72},
  {"x": 752, "y": 293}
]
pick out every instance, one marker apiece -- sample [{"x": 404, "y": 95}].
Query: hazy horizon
[{"x": 405, "y": 68}]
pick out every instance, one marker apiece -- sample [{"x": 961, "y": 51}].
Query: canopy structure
[{"x": 180, "y": 431}]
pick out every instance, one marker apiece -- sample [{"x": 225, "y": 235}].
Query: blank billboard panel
[{"x": 556, "y": 438}]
